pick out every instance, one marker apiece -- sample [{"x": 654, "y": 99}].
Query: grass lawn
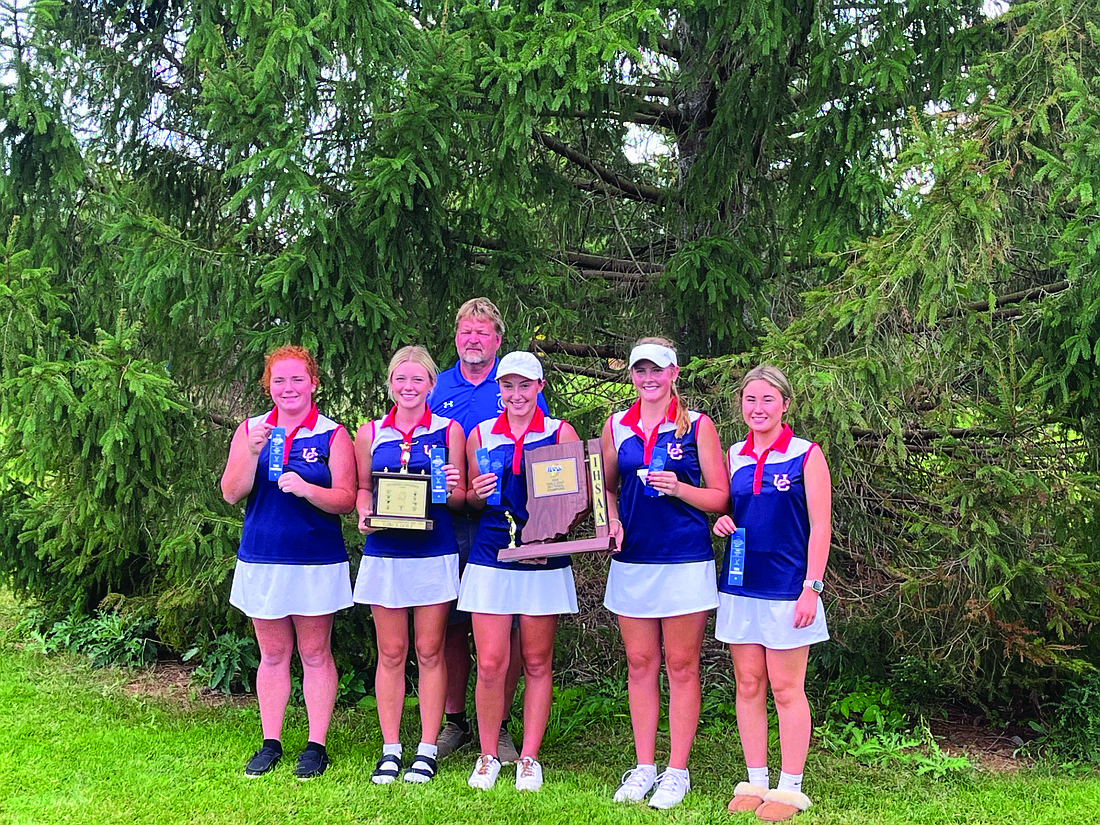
[{"x": 78, "y": 746}]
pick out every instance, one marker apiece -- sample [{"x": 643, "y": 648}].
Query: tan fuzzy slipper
[
  {"x": 747, "y": 797},
  {"x": 779, "y": 806}
]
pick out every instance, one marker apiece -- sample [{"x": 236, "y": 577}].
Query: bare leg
[
  {"x": 430, "y": 624},
  {"x": 787, "y": 674},
  {"x": 276, "y": 640},
  {"x": 537, "y": 643},
  {"x": 319, "y": 680},
  {"x": 457, "y": 654},
  {"x": 391, "y": 627},
  {"x": 683, "y": 637},
  {"x": 751, "y": 674},
  {"x": 515, "y": 671},
  {"x": 491, "y": 638},
  {"x": 642, "y": 640}
]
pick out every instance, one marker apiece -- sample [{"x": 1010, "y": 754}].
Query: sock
[
  {"x": 790, "y": 781},
  {"x": 424, "y": 749},
  {"x": 759, "y": 777},
  {"x": 394, "y": 749},
  {"x": 677, "y": 771},
  {"x": 315, "y": 746},
  {"x": 274, "y": 744},
  {"x": 459, "y": 719}
]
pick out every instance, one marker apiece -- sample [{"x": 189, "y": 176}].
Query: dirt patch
[
  {"x": 989, "y": 748},
  {"x": 171, "y": 683}
]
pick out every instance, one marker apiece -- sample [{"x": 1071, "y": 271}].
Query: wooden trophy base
[
  {"x": 399, "y": 523},
  {"x": 542, "y": 550}
]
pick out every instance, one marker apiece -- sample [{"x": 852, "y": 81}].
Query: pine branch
[
  {"x": 647, "y": 114},
  {"x": 645, "y": 91},
  {"x": 627, "y": 188},
  {"x": 618, "y": 277},
  {"x": 580, "y": 259},
  {"x": 1022, "y": 296}
]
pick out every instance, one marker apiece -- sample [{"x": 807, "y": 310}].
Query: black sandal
[
  {"x": 422, "y": 766},
  {"x": 387, "y": 769}
]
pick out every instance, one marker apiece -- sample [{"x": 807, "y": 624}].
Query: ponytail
[{"x": 683, "y": 415}]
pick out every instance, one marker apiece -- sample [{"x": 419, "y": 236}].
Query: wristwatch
[{"x": 815, "y": 585}]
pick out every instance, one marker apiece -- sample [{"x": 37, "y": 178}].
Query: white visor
[
  {"x": 523, "y": 364},
  {"x": 659, "y": 354}
]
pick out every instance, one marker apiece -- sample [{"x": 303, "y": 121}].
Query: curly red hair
[{"x": 288, "y": 351}]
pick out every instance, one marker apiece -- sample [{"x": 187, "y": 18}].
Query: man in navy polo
[{"x": 468, "y": 393}]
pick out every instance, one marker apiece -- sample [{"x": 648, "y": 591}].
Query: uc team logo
[
  {"x": 309, "y": 455},
  {"x": 675, "y": 451},
  {"x": 782, "y": 482}
]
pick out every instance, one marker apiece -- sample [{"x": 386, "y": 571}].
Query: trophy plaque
[
  {"x": 401, "y": 501},
  {"x": 564, "y": 485}
]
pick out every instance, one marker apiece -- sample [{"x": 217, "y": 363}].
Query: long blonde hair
[{"x": 683, "y": 415}]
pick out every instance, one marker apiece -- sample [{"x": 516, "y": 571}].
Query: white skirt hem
[
  {"x": 743, "y": 620},
  {"x": 658, "y": 591},
  {"x": 407, "y": 582},
  {"x": 275, "y": 591},
  {"x": 517, "y": 592}
]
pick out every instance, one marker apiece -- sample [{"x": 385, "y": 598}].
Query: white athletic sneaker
[
  {"x": 671, "y": 788},
  {"x": 528, "y": 774},
  {"x": 637, "y": 782},
  {"x": 486, "y": 771}
]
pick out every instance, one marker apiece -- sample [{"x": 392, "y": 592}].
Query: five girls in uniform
[{"x": 664, "y": 471}]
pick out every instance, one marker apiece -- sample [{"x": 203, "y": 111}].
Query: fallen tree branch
[
  {"x": 588, "y": 372},
  {"x": 568, "y": 348}
]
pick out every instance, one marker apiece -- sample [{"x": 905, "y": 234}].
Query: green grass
[{"x": 78, "y": 748}]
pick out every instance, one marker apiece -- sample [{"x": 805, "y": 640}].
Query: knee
[
  {"x": 392, "y": 655},
  {"x": 316, "y": 656},
  {"x": 751, "y": 685},
  {"x": 683, "y": 669},
  {"x": 538, "y": 666},
  {"x": 276, "y": 656},
  {"x": 429, "y": 654},
  {"x": 643, "y": 665},
  {"x": 788, "y": 695},
  {"x": 492, "y": 664}
]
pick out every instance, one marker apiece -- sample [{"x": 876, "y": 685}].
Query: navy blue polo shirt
[{"x": 469, "y": 404}]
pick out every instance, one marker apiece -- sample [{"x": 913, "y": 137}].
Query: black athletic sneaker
[
  {"x": 262, "y": 761},
  {"x": 311, "y": 764}
]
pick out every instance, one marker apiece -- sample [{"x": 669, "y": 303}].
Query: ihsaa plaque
[{"x": 565, "y": 484}]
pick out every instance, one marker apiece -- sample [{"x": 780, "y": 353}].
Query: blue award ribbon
[
  {"x": 276, "y": 453},
  {"x": 736, "y": 575},
  {"x": 438, "y": 457},
  {"x": 487, "y": 464}
]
